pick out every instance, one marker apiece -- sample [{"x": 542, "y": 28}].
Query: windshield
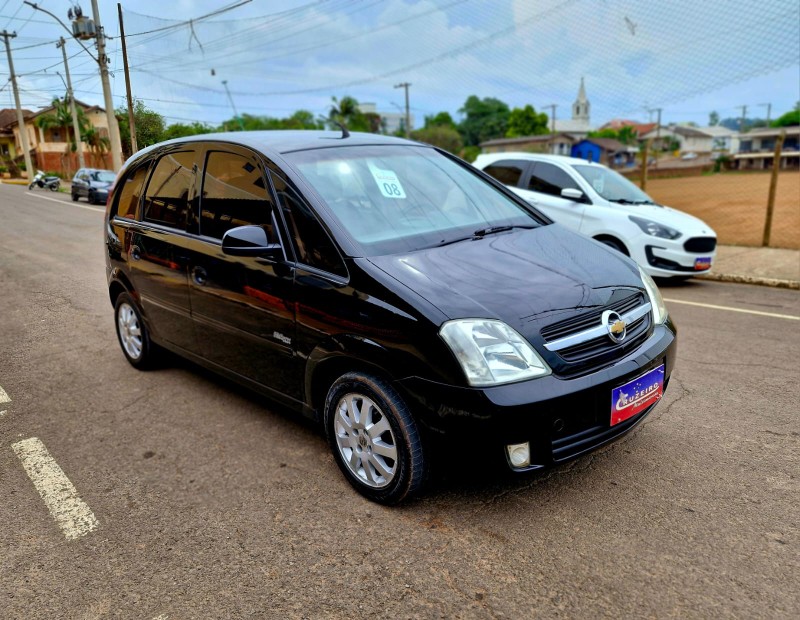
[
  {"x": 104, "y": 176},
  {"x": 613, "y": 186},
  {"x": 400, "y": 198}
]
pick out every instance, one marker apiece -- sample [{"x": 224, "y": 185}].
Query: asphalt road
[{"x": 209, "y": 502}]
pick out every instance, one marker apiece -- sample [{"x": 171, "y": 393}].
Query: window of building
[
  {"x": 550, "y": 179},
  {"x": 167, "y": 199},
  {"x": 311, "y": 242},
  {"x": 234, "y": 194}
]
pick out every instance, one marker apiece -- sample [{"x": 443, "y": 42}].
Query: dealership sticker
[
  {"x": 387, "y": 182},
  {"x": 637, "y": 395}
]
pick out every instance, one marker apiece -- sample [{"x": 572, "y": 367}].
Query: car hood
[{"x": 516, "y": 277}]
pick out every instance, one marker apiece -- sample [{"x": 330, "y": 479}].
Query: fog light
[{"x": 519, "y": 454}]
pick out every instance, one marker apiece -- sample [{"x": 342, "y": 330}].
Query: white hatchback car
[{"x": 602, "y": 204}]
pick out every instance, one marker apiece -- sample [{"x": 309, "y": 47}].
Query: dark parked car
[
  {"x": 92, "y": 184},
  {"x": 388, "y": 290}
]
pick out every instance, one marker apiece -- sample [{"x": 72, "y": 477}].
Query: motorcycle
[{"x": 40, "y": 180}]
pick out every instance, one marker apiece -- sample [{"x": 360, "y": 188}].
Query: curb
[
  {"x": 13, "y": 182},
  {"x": 774, "y": 282}
]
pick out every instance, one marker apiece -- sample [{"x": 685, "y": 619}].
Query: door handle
[
  {"x": 200, "y": 276},
  {"x": 136, "y": 253}
]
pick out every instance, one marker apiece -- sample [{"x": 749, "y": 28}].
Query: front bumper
[
  {"x": 560, "y": 418},
  {"x": 665, "y": 259}
]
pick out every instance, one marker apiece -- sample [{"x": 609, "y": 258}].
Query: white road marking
[
  {"x": 730, "y": 309},
  {"x": 4, "y": 398},
  {"x": 70, "y": 512},
  {"x": 68, "y": 204}
]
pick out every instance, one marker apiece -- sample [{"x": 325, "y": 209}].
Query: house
[
  {"x": 687, "y": 139},
  {"x": 391, "y": 121},
  {"x": 557, "y": 144},
  {"x": 8, "y": 147},
  {"x": 757, "y": 149},
  {"x": 605, "y": 151},
  {"x": 50, "y": 148}
]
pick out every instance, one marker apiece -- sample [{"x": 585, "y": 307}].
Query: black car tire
[
  {"x": 74, "y": 196},
  {"x": 90, "y": 197},
  {"x": 140, "y": 352},
  {"x": 375, "y": 396}
]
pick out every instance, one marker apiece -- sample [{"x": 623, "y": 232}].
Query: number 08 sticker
[{"x": 387, "y": 182}]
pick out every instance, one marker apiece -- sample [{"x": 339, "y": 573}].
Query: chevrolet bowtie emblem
[{"x": 615, "y": 324}]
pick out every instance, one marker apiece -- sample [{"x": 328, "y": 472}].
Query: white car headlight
[
  {"x": 654, "y": 228},
  {"x": 491, "y": 353},
  {"x": 656, "y": 301}
]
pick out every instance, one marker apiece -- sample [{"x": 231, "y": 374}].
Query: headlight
[
  {"x": 656, "y": 300},
  {"x": 491, "y": 353},
  {"x": 654, "y": 228}
]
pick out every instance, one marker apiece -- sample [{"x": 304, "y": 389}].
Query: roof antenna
[{"x": 345, "y": 133}]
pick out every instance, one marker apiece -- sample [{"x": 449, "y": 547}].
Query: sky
[{"x": 685, "y": 57}]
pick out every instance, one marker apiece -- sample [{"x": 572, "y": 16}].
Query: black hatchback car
[
  {"x": 388, "y": 290},
  {"x": 92, "y": 184}
]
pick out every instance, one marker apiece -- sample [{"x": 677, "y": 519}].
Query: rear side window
[
  {"x": 507, "y": 172},
  {"x": 550, "y": 179},
  {"x": 312, "y": 245},
  {"x": 130, "y": 191},
  {"x": 234, "y": 194},
  {"x": 168, "y": 193}
]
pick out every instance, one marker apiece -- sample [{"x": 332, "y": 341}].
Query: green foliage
[
  {"x": 442, "y": 119},
  {"x": 302, "y": 119},
  {"x": 61, "y": 118},
  {"x": 346, "y": 112},
  {"x": 442, "y": 136},
  {"x": 626, "y": 135},
  {"x": 526, "y": 122},
  {"x": 713, "y": 119},
  {"x": 470, "y": 153},
  {"x": 181, "y": 130},
  {"x": 149, "y": 126},
  {"x": 484, "y": 119},
  {"x": 788, "y": 119}
]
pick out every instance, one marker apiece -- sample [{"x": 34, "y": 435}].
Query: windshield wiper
[{"x": 496, "y": 229}]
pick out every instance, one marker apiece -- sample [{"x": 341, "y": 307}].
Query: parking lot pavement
[{"x": 212, "y": 502}]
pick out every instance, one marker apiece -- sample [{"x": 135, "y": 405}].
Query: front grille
[
  {"x": 600, "y": 351},
  {"x": 589, "y": 319},
  {"x": 699, "y": 245}
]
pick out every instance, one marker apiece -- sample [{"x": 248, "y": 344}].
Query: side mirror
[
  {"x": 573, "y": 194},
  {"x": 250, "y": 241}
]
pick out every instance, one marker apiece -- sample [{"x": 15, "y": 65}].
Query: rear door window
[
  {"x": 234, "y": 194},
  {"x": 130, "y": 191},
  {"x": 507, "y": 171},
  {"x": 170, "y": 189},
  {"x": 550, "y": 179}
]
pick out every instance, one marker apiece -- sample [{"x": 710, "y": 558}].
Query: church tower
[{"x": 580, "y": 109}]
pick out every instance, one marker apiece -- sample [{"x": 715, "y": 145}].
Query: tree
[
  {"x": 790, "y": 118},
  {"x": 181, "y": 130},
  {"x": 61, "y": 118},
  {"x": 98, "y": 143},
  {"x": 442, "y": 136},
  {"x": 526, "y": 122},
  {"x": 302, "y": 119},
  {"x": 346, "y": 112},
  {"x": 442, "y": 119},
  {"x": 713, "y": 119},
  {"x": 149, "y": 126},
  {"x": 484, "y": 119}
]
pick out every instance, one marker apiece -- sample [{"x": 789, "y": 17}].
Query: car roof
[
  {"x": 287, "y": 141},
  {"x": 558, "y": 159}
]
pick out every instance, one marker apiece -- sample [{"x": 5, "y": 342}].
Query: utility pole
[
  {"x": 405, "y": 85},
  {"x": 769, "y": 111},
  {"x": 131, "y": 122},
  {"x": 658, "y": 136},
  {"x": 76, "y": 128},
  {"x": 552, "y": 107},
  {"x": 23, "y": 131},
  {"x": 235, "y": 113},
  {"x": 102, "y": 59},
  {"x": 744, "y": 116}
]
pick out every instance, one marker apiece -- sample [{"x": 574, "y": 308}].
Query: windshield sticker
[{"x": 387, "y": 182}]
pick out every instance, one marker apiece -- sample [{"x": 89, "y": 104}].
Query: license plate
[
  {"x": 637, "y": 395},
  {"x": 702, "y": 263}
]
